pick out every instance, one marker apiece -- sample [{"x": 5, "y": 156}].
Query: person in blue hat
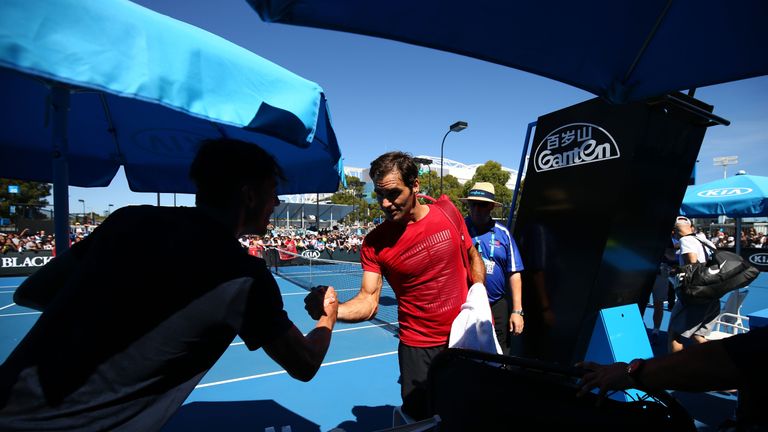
[{"x": 502, "y": 263}]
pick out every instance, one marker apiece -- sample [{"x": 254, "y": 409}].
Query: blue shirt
[{"x": 500, "y": 255}]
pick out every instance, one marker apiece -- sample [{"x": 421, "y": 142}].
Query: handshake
[{"x": 320, "y": 301}]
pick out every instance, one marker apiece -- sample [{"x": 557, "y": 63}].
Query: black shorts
[{"x": 414, "y": 366}]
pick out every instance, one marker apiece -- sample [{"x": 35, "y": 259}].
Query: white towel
[{"x": 473, "y": 328}]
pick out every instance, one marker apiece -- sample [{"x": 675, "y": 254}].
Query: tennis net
[{"x": 344, "y": 276}]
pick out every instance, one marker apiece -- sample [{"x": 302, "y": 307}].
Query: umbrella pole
[
  {"x": 60, "y": 145},
  {"x": 737, "y": 236}
]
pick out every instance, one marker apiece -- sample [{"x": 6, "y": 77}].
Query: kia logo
[
  {"x": 724, "y": 192},
  {"x": 311, "y": 253},
  {"x": 759, "y": 259},
  {"x": 574, "y": 144}
]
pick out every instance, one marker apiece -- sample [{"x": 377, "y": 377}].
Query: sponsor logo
[
  {"x": 37, "y": 261},
  {"x": 171, "y": 143},
  {"x": 759, "y": 258},
  {"x": 724, "y": 192},
  {"x": 574, "y": 144},
  {"x": 311, "y": 253}
]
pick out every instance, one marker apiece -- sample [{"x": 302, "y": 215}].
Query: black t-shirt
[{"x": 136, "y": 326}]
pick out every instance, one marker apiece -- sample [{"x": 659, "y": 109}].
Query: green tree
[
  {"x": 491, "y": 172},
  {"x": 353, "y": 195},
  {"x": 28, "y": 202},
  {"x": 452, "y": 188},
  {"x": 430, "y": 183}
]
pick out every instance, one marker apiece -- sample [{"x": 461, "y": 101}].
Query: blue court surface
[{"x": 355, "y": 390}]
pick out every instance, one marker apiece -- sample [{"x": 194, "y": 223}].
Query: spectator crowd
[
  {"x": 750, "y": 238},
  {"x": 341, "y": 238},
  {"x": 345, "y": 239}
]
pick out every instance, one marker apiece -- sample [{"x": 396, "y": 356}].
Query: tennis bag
[
  {"x": 445, "y": 205},
  {"x": 477, "y": 391},
  {"x": 723, "y": 272}
]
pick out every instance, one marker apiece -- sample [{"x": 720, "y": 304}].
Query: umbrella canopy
[
  {"x": 140, "y": 89},
  {"x": 90, "y": 85},
  {"x": 620, "y": 50},
  {"x": 738, "y": 196}
]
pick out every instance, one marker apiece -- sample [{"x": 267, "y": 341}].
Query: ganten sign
[
  {"x": 574, "y": 144},
  {"x": 724, "y": 192}
]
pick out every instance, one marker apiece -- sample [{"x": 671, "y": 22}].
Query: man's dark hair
[
  {"x": 395, "y": 161},
  {"x": 223, "y": 166}
]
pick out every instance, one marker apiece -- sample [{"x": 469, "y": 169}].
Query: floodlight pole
[
  {"x": 456, "y": 127},
  {"x": 724, "y": 161},
  {"x": 83, "y": 201}
]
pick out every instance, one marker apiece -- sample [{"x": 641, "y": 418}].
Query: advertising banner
[
  {"x": 602, "y": 188},
  {"x": 23, "y": 263},
  {"x": 755, "y": 256}
]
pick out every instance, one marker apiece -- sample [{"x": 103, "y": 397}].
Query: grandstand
[
  {"x": 460, "y": 170},
  {"x": 464, "y": 172}
]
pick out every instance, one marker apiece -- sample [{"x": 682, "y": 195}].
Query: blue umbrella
[
  {"x": 737, "y": 197},
  {"x": 92, "y": 85},
  {"x": 620, "y": 50}
]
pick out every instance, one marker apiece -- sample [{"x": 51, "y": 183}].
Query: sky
[{"x": 385, "y": 95}]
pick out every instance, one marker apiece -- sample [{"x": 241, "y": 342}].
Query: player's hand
[
  {"x": 320, "y": 301},
  {"x": 604, "y": 378},
  {"x": 330, "y": 303},
  {"x": 516, "y": 324}
]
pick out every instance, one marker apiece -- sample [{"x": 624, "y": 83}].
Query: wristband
[{"x": 519, "y": 312}]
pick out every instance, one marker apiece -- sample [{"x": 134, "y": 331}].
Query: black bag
[
  {"x": 477, "y": 391},
  {"x": 723, "y": 272}
]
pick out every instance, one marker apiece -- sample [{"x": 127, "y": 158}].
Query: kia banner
[{"x": 757, "y": 257}]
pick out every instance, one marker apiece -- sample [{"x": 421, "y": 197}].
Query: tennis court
[{"x": 356, "y": 389}]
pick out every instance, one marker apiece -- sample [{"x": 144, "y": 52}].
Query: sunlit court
[{"x": 356, "y": 389}]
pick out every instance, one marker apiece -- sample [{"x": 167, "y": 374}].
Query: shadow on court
[
  {"x": 369, "y": 418},
  {"x": 237, "y": 416}
]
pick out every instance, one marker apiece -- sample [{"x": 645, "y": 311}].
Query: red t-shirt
[{"x": 422, "y": 262}]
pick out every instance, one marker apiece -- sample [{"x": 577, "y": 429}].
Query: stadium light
[
  {"x": 456, "y": 127},
  {"x": 83, "y": 201},
  {"x": 724, "y": 161}
]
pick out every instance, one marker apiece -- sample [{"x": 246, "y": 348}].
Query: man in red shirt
[{"x": 418, "y": 250}]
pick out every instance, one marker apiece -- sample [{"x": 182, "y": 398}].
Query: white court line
[
  {"x": 7, "y": 306},
  {"x": 7, "y": 292},
  {"x": 20, "y": 313},
  {"x": 337, "y": 331},
  {"x": 296, "y": 293},
  {"x": 306, "y": 292},
  {"x": 229, "y": 381}
]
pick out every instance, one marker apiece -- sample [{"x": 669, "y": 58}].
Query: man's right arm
[
  {"x": 365, "y": 304},
  {"x": 700, "y": 367},
  {"x": 301, "y": 356}
]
